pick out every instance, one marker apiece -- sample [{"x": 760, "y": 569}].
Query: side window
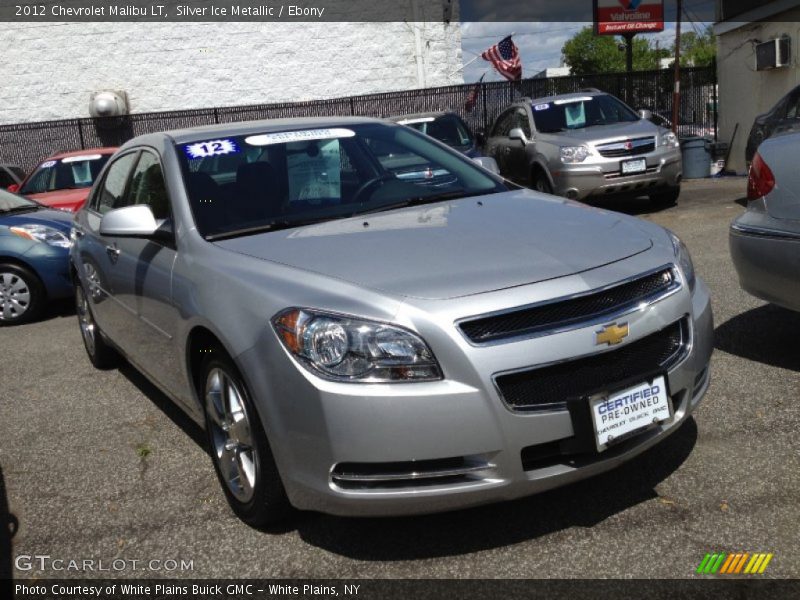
[
  {"x": 504, "y": 124},
  {"x": 148, "y": 187},
  {"x": 112, "y": 191},
  {"x": 793, "y": 108},
  {"x": 5, "y": 178}
]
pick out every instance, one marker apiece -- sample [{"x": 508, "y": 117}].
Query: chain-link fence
[{"x": 25, "y": 144}]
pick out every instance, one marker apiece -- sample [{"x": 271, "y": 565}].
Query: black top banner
[{"x": 327, "y": 10}]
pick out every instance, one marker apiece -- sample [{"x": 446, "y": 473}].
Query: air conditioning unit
[{"x": 773, "y": 54}]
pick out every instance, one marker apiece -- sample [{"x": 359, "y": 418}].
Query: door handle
[{"x": 113, "y": 252}]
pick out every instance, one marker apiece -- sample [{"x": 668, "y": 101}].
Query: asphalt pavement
[{"x": 99, "y": 466}]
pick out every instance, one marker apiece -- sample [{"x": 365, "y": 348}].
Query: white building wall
[{"x": 49, "y": 70}]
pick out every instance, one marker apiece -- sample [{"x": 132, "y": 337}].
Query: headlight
[
  {"x": 41, "y": 233},
  {"x": 343, "y": 348},
  {"x": 684, "y": 260},
  {"x": 574, "y": 154},
  {"x": 669, "y": 139}
]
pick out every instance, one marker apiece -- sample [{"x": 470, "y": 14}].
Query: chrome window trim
[
  {"x": 676, "y": 360},
  {"x": 623, "y": 311}
]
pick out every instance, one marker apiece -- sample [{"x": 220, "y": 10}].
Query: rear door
[{"x": 98, "y": 256}]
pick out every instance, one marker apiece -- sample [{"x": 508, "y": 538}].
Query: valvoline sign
[{"x": 618, "y": 17}]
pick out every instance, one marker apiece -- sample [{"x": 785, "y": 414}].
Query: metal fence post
[{"x": 80, "y": 134}]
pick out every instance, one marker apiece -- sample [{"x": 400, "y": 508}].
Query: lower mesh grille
[{"x": 548, "y": 388}]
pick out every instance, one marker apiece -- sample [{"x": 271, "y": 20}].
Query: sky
[{"x": 539, "y": 44}]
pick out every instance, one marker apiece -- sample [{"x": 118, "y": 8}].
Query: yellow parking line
[{"x": 765, "y": 563}]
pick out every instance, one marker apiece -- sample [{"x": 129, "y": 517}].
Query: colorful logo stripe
[{"x": 734, "y": 563}]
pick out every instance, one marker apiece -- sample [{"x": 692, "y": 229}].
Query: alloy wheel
[
  {"x": 85, "y": 319},
  {"x": 231, "y": 434}
]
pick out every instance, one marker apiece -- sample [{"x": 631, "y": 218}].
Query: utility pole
[
  {"x": 629, "y": 67},
  {"x": 676, "y": 94}
]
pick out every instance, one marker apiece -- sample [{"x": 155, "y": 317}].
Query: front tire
[
  {"x": 541, "y": 183},
  {"x": 22, "y": 295},
  {"x": 239, "y": 448},
  {"x": 100, "y": 353}
]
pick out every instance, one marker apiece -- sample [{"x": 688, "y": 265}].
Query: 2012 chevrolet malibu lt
[{"x": 368, "y": 323}]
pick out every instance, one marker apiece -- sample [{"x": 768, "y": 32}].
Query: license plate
[
  {"x": 615, "y": 416},
  {"x": 634, "y": 166}
]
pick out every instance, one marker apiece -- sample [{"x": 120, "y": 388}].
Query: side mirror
[
  {"x": 488, "y": 163},
  {"x": 14, "y": 187},
  {"x": 129, "y": 221},
  {"x": 645, "y": 114},
  {"x": 518, "y": 134}
]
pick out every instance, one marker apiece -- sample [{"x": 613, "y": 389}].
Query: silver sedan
[
  {"x": 368, "y": 323},
  {"x": 765, "y": 240}
]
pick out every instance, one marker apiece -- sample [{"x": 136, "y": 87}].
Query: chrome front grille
[
  {"x": 412, "y": 473},
  {"x": 571, "y": 312},
  {"x": 548, "y": 388},
  {"x": 634, "y": 147}
]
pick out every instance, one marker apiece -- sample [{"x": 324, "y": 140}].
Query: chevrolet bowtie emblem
[{"x": 612, "y": 334}]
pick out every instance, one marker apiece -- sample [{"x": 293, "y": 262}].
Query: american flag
[
  {"x": 505, "y": 58},
  {"x": 473, "y": 95}
]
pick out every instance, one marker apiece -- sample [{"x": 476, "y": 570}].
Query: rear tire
[
  {"x": 100, "y": 353},
  {"x": 22, "y": 295},
  {"x": 239, "y": 448},
  {"x": 668, "y": 198}
]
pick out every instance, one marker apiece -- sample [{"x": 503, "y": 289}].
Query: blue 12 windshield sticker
[{"x": 211, "y": 148}]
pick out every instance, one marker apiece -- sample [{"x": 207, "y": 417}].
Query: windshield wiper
[
  {"x": 273, "y": 226},
  {"x": 419, "y": 201}
]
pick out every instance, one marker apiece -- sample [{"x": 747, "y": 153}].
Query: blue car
[{"x": 34, "y": 257}]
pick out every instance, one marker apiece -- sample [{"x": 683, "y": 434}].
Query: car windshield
[
  {"x": 579, "y": 112},
  {"x": 448, "y": 129},
  {"x": 65, "y": 173},
  {"x": 243, "y": 184},
  {"x": 13, "y": 203}
]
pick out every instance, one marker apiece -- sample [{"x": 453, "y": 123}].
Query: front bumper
[
  {"x": 767, "y": 261},
  {"x": 604, "y": 178},
  {"x": 316, "y": 426}
]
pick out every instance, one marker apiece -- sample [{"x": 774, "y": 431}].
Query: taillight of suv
[{"x": 760, "y": 180}]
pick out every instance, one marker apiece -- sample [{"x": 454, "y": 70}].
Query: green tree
[
  {"x": 697, "y": 50},
  {"x": 586, "y": 53}
]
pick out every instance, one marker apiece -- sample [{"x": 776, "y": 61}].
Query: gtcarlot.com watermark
[{"x": 45, "y": 562}]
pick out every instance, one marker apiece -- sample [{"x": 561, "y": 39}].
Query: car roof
[
  {"x": 545, "y": 99},
  {"x": 193, "y": 134},
  {"x": 421, "y": 115},
  {"x": 101, "y": 150}
]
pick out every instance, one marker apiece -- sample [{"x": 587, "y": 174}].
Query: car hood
[
  {"x": 605, "y": 132},
  {"x": 456, "y": 248},
  {"x": 52, "y": 218},
  {"x": 61, "y": 198}
]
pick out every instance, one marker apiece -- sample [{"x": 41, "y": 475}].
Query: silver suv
[{"x": 586, "y": 144}]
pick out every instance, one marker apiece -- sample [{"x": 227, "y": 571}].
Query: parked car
[
  {"x": 765, "y": 239},
  {"x": 358, "y": 342},
  {"x": 586, "y": 145},
  {"x": 34, "y": 258},
  {"x": 64, "y": 180},
  {"x": 784, "y": 116},
  {"x": 10, "y": 175}
]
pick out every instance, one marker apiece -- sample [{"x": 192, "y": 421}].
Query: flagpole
[{"x": 465, "y": 65}]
